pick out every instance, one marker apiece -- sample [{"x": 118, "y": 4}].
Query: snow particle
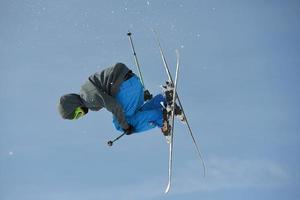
[
  {"x": 182, "y": 46},
  {"x": 173, "y": 27},
  {"x": 148, "y": 3},
  {"x": 11, "y": 153}
]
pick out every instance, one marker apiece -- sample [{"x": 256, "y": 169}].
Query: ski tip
[{"x": 167, "y": 189}]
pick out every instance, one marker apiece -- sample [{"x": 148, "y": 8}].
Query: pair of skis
[{"x": 176, "y": 97}]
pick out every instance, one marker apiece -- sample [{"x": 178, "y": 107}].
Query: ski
[
  {"x": 180, "y": 104},
  {"x": 172, "y": 125}
]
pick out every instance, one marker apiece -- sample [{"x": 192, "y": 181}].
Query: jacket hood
[{"x": 67, "y": 105}]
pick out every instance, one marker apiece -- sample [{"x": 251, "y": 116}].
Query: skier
[{"x": 120, "y": 91}]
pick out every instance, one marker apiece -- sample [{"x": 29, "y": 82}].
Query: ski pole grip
[{"x": 110, "y": 143}]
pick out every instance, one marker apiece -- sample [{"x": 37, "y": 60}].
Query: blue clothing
[{"x": 142, "y": 116}]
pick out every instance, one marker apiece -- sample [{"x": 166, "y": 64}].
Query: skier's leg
[
  {"x": 131, "y": 98},
  {"x": 154, "y": 103},
  {"x": 131, "y": 95},
  {"x": 146, "y": 120},
  {"x": 150, "y": 114}
]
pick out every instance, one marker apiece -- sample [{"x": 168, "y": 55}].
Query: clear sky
[{"x": 239, "y": 84}]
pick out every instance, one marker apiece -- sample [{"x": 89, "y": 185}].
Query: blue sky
[{"x": 239, "y": 84}]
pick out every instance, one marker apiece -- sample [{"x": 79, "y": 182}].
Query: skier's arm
[{"x": 113, "y": 106}]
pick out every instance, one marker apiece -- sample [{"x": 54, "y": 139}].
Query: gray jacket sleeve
[
  {"x": 96, "y": 98},
  {"x": 113, "y": 106}
]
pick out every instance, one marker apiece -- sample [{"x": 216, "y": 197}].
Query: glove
[
  {"x": 147, "y": 95},
  {"x": 129, "y": 130}
]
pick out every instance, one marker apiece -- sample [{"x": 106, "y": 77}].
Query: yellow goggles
[{"x": 78, "y": 113}]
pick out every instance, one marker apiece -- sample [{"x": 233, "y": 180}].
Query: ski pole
[
  {"x": 147, "y": 94},
  {"x": 111, "y": 142},
  {"x": 135, "y": 58}
]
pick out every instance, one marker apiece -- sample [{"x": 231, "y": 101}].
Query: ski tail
[{"x": 163, "y": 57}]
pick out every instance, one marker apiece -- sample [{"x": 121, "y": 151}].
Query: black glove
[
  {"x": 129, "y": 130},
  {"x": 147, "y": 95}
]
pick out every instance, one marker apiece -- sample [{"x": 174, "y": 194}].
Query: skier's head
[{"x": 70, "y": 106}]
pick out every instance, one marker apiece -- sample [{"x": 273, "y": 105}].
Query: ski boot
[
  {"x": 168, "y": 91},
  {"x": 166, "y": 129}
]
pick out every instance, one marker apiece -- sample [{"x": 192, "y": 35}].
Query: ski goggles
[{"x": 79, "y": 112}]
